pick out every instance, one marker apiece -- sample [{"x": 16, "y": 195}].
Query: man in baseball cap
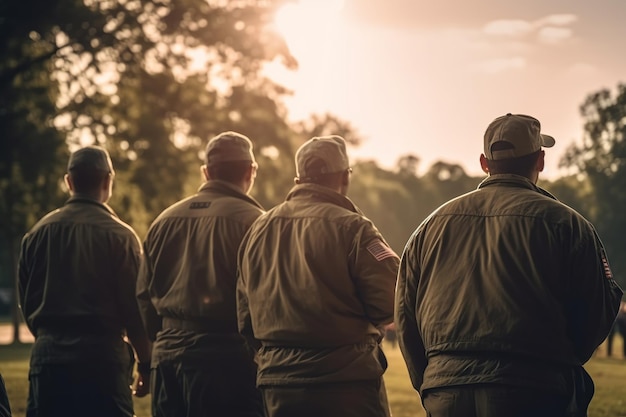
[
  {"x": 201, "y": 364},
  {"x": 504, "y": 292},
  {"x": 321, "y": 354},
  {"x": 77, "y": 278}
]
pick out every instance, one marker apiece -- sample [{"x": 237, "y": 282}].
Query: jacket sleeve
[
  {"x": 374, "y": 270},
  {"x": 409, "y": 337},
  {"x": 131, "y": 257},
  {"x": 594, "y": 296},
  {"x": 23, "y": 278},
  {"x": 244, "y": 322},
  {"x": 149, "y": 315}
]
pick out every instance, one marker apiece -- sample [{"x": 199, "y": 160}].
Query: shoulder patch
[
  {"x": 199, "y": 205},
  {"x": 380, "y": 251}
]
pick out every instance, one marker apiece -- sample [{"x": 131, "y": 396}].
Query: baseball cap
[
  {"x": 321, "y": 155},
  {"x": 228, "y": 147},
  {"x": 521, "y": 132},
  {"x": 90, "y": 157}
]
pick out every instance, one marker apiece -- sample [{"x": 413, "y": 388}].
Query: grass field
[{"x": 609, "y": 375}]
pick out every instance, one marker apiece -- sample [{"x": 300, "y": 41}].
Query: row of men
[{"x": 499, "y": 298}]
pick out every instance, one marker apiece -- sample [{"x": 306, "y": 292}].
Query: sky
[{"x": 426, "y": 77}]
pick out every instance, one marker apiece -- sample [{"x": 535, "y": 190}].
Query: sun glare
[{"x": 304, "y": 23}]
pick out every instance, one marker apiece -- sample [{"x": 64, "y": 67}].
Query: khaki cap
[
  {"x": 321, "y": 155},
  {"x": 229, "y": 147},
  {"x": 92, "y": 158},
  {"x": 522, "y": 132}
]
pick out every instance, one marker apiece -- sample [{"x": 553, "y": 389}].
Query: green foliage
[
  {"x": 397, "y": 202},
  {"x": 31, "y": 149},
  {"x": 150, "y": 80},
  {"x": 601, "y": 160}
]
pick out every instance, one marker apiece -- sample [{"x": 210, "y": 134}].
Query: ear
[
  {"x": 106, "y": 184},
  {"x": 68, "y": 182},
  {"x": 541, "y": 161},
  {"x": 483, "y": 163},
  {"x": 205, "y": 172},
  {"x": 252, "y": 172},
  {"x": 345, "y": 178}
]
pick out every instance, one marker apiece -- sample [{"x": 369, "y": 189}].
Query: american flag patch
[
  {"x": 380, "y": 251},
  {"x": 605, "y": 264}
]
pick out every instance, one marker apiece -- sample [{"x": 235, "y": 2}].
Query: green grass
[{"x": 609, "y": 375}]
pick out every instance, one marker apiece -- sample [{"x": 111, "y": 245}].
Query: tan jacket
[
  {"x": 503, "y": 285},
  {"x": 316, "y": 280},
  {"x": 190, "y": 266}
]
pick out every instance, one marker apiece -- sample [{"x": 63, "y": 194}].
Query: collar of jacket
[
  {"x": 322, "y": 194},
  {"x": 227, "y": 189},
  {"x": 512, "y": 180},
  {"x": 85, "y": 199}
]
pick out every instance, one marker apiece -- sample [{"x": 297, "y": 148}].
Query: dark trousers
[
  {"x": 493, "y": 401},
  {"x": 82, "y": 389},
  {"x": 5, "y": 407},
  {"x": 217, "y": 386},
  {"x": 347, "y": 399}
]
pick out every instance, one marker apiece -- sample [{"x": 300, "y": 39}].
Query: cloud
[
  {"x": 553, "y": 35},
  {"x": 549, "y": 29},
  {"x": 557, "y": 20},
  {"x": 508, "y": 27},
  {"x": 494, "y": 66}
]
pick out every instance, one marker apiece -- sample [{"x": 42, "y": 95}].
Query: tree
[
  {"x": 31, "y": 150},
  {"x": 151, "y": 80},
  {"x": 184, "y": 71},
  {"x": 601, "y": 160}
]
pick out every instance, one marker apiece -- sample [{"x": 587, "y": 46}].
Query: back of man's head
[
  {"x": 228, "y": 157},
  {"x": 88, "y": 167},
  {"x": 512, "y": 144},
  {"x": 321, "y": 160}
]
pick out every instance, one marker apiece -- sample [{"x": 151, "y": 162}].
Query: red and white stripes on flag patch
[{"x": 380, "y": 251}]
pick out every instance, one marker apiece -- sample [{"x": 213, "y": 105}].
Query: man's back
[
  {"x": 191, "y": 251},
  {"x": 77, "y": 276},
  {"x": 303, "y": 257},
  {"x": 518, "y": 289},
  {"x": 187, "y": 291},
  {"x": 504, "y": 293},
  {"x": 316, "y": 281}
]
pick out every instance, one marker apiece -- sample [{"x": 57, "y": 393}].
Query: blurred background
[{"x": 410, "y": 84}]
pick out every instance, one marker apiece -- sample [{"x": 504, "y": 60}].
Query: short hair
[
  {"x": 87, "y": 179},
  {"x": 233, "y": 172},
  {"x": 524, "y": 165}
]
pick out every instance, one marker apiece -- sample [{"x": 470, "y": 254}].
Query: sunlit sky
[{"x": 426, "y": 77}]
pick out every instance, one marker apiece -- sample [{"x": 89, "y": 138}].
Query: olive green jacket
[
  {"x": 503, "y": 285},
  {"x": 190, "y": 267},
  {"x": 77, "y": 275},
  {"x": 316, "y": 281}
]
